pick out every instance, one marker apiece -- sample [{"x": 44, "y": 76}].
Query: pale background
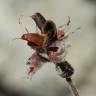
[{"x": 14, "y": 53}]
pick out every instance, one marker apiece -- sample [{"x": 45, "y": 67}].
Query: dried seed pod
[
  {"x": 66, "y": 68},
  {"x": 47, "y": 27},
  {"x": 51, "y": 31},
  {"x": 39, "y": 20},
  {"x": 34, "y": 40}
]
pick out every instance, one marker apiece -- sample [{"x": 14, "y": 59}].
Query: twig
[{"x": 72, "y": 86}]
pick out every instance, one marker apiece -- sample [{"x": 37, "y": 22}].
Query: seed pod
[
  {"x": 51, "y": 31},
  {"x": 34, "y": 40},
  {"x": 39, "y": 20}
]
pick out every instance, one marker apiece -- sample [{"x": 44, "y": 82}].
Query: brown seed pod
[
  {"x": 34, "y": 40},
  {"x": 39, "y": 20}
]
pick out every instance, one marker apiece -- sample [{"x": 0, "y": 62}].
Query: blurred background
[{"x": 14, "y": 53}]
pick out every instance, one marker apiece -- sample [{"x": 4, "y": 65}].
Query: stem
[{"x": 72, "y": 86}]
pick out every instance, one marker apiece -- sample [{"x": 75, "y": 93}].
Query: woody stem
[{"x": 72, "y": 86}]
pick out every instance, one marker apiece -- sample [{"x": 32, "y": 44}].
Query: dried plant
[{"x": 49, "y": 46}]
